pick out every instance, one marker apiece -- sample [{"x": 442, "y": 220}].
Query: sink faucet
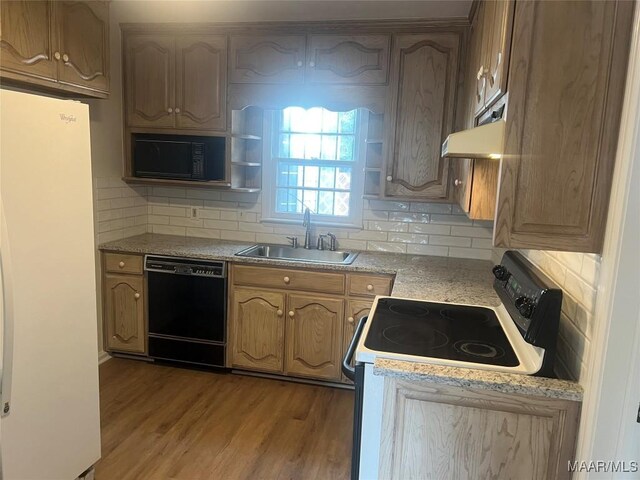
[
  {"x": 332, "y": 241},
  {"x": 306, "y": 222}
]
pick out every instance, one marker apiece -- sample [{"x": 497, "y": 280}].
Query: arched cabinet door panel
[{"x": 124, "y": 313}]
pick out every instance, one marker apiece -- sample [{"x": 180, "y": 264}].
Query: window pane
[
  {"x": 345, "y": 147},
  {"x": 297, "y": 118},
  {"x": 343, "y": 178},
  {"x": 313, "y": 120},
  {"x": 282, "y": 179},
  {"x": 348, "y": 122},
  {"x": 283, "y": 144},
  {"x": 312, "y": 146},
  {"x": 287, "y": 200},
  {"x": 329, "y": 143},
  {"x": 286, "y": 119},
  {"x": 327, "y": 177},
  {"x": 341, "y": 205},
  {"x": 325, "y": 205},
  {"x": 310, "y": 200},
  {"x": 311, "y": 176},
  {"x": 297, "y": 146},
  {"x": 329, "y": 122}
]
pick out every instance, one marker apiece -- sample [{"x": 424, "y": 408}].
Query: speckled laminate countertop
[
  {"x": 439, "y": 279},
  {"x": 479, "y": 379},
  {"x": 421, "y": 277}
]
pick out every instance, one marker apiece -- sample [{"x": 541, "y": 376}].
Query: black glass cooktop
[{"x": 439, "y": 330}]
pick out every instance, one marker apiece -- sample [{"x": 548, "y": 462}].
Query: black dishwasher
[{"x": 187, "y": 310}]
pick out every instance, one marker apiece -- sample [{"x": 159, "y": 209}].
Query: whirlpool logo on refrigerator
[{"x": 67, "y": 118}]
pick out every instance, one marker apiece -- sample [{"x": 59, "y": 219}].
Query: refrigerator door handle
[{"x": 7, "y": 317}]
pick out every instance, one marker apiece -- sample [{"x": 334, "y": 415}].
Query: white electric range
[{"x": 517, "y": 336}]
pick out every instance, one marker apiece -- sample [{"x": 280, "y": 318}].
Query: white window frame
[{"x": 270, "y": 171}]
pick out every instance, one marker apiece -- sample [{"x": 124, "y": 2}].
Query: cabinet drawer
[
  {"x": 121, "y": 263},
  {"x": 369, "y": 285},
  {"x": 283, "y": 278}
]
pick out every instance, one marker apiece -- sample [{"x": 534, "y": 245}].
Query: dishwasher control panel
[{"x": 185, "y": 266}]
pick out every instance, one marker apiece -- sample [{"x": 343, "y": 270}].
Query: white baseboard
[{"x": 103, "y": 357}]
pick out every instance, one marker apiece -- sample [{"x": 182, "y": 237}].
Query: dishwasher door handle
[{"x": 347, "y": 369}]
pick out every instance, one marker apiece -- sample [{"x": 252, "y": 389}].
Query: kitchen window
[{"x": 316, "y": 164}]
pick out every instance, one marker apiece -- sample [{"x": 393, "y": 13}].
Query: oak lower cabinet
[
  {"x": 421, "y": 105},
  {"x": 175, "y": 81},
  {"x": 433, "y": 431},
  {"x": 296, "y": 322},
  {"x": 258, "y": 330},
  {"x": 314, "y": 336},
  {"x": 124, "y": 313},
  {"x": 57, "y": 45}
]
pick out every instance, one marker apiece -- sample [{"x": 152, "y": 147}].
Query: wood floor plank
[{"x": 160, "y": 422}]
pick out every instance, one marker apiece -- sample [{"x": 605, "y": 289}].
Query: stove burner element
[
  {"x": 478, "y": 349},
  {"x": 419, "y": 335},
  {"x": 409, "y": 309}
]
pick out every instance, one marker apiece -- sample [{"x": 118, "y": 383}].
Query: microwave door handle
[
  {"x": 347, "y": 369},
  {"x": 7, "y": 316}
]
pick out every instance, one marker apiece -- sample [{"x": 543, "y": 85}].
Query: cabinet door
[
  {"x": 314, "y": 337},
  {"x": 267, "y": 59},
  {"x": 498, "y": 48},
  {"x": 257, "y": 330},
  {"x": 563, "y": 121},
  {"x": 26, "y": 39},
  {"x": 424, "y": 88},
  {"x": 149, "y": 80},
  {"x": 124, "y": 312},
  {"x": 348, "y": 59},
  {"x": 83, "y": 29},
  {"x": 475, "y": 78},
  {"x": 356, "y": 309},
  {"x": 201, "y": 82}
]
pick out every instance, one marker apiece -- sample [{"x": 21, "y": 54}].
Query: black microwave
[{"x": 181, "y": 157}]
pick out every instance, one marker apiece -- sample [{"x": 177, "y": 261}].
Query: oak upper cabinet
[
  {"x": 27, "y": 39},
  {"x": 61, "y": 46},
  {"x": 423, "y": 90},
  {"x": 267, "y": 58},
  {"x": 314, "y": 340},
  {"x": 562, "y": 124},
  {"x": 348, "y": 59},
  {"x": 257, "y": 336},
  {"x": 175, "y": 81},
  {"x": 84, "y": 44},
  {"x": 149, "y": 80},
  {"x": 125, "y": 313}
]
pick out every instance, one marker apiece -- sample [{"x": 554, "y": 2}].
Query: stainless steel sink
[{"x": 282, "y": 252}]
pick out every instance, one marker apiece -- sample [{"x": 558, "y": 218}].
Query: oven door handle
[{"x": 347, "y": 369}]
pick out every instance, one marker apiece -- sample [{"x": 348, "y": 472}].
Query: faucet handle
[
  {"x": 332, "y": 244},
  {"x": 320, "y": 245},
  {"x": 293, "y": 241}
]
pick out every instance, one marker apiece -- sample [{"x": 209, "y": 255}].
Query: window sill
[{"x": 287, "y": 221}]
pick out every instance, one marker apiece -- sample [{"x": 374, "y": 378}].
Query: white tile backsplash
[{"x": 120, "y": 209}]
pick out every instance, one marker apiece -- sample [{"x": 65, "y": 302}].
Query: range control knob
[
  {"x": 525, "y": 306},
  {"x": 501, "y": 273}
]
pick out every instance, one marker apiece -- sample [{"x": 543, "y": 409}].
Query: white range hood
[{"x": 485, "y": 141}]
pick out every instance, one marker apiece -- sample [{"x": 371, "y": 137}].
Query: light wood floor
[{"x": 161, "y": 422}]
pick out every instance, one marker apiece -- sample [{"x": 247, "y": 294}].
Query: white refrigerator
[{"x": 50, "y": 417}]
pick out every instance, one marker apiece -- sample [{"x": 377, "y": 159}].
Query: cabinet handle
[
  {"x": 136, "y": 295},
  {"x": 299, "y": 63},
  {"x": 457, "y": 182},
  {"x": 279, "y": 313},
  {"x": 170, "y": 110},
  {"x": 56, "y": 55},
  {"x": 177, "y": 110},
  {"x": 350, "y": 319},
  {"x": 291, "y": 313},
  {"x": 65, "y": 57},
  {"x": 286, "y": 280},
  {"x": 389, "y": 178},
  {"x": 481, "y": 75},
  {"x": 370, "y": 288},
  {"x": 494, "y": 74},
  {"x": 121, "y": 264}
]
